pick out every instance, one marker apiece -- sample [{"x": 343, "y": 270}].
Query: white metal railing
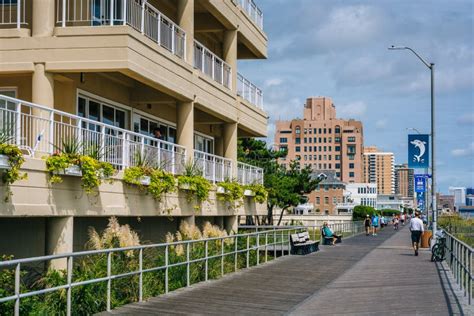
[
  {"x": 460, "y": 258},
  {"x": 214, "y": 168},
  {"x": 249, "y": 91},
  {"x": 12, "y": 13},
  {"x": 139, "y": 14},
  {"x": 252, "y": 10},
  {"x": 34, "y": 126},
  {"x": 262, "y": 245},
  {"x": 211, "y": 65},
  {"x": 248, "y": 174}
]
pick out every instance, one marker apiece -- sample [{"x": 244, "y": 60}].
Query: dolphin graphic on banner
[
  {"x": 418, "y": 151},
  {"x": 421, "y": 146}
]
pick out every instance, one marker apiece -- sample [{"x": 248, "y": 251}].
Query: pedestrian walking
[
  {"x": 395, "y": 223},
  {"x": 367, "y": 223},
  {"x": 402, "y": 219},
  {"x": 417, "y": 229},
  {"x": 375, "y": 224}
]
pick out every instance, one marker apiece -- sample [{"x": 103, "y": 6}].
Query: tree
[
  {"x": 286, "y": 187},
  {"x": 361, "y": 211}
]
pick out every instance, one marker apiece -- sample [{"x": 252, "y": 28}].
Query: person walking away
[
  {"x": 375, "y": 224},
  {"x": 417, "y": 229},
  {"x": 367, "y": 222},
  {"x": 402, "y": 219},
  {"x": 395, "y": 223}
]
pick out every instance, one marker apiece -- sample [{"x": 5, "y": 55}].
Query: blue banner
[
  {"x": 418, "y": 151},
  {"x": 420, "y": 201},
  {"x": 420, "y": 183}
]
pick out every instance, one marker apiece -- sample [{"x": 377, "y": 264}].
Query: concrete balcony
[
  {"x": 252, "y": 10},
  {"x": 211, "y": 65},
  {"x": 249, "y": 92}
]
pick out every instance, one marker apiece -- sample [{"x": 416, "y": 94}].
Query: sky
[{"x": 339, "y": 49}]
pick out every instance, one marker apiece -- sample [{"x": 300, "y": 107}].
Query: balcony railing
[
  {"x": 139, "y": 14},
  {"x": 248, "y": 174},
  {"x": 211, "y": 65},
  {"x": 252, "y": 10},
  {"x": 214, "y": 168},
  {"x": 43, "y": 130},
  {"x": 12, "y": 13},
  {"x": 249, "y": 91}
]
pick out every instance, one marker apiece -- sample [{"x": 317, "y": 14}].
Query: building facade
[
  {"x": 322, "y": 141},
  {"x": 404, "y": 181},
  {"x": 459, "y": 194},
  {"x": 390, "y": 202},
  {"x": 445, "y": 203},
  {"x": 328, "y": 194},
  {"x": 113, "y": 73},
  {"x": 361, "y": 194},
  {"x": 379, "y": 168}
]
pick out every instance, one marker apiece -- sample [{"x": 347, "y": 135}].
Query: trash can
[{"x": 425, "y": 239}]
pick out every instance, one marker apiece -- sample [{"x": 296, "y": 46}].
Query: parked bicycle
[{"x": 438, "y": 252}]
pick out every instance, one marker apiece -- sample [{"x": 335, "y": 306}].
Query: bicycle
[{"x": 438, "y": 252}]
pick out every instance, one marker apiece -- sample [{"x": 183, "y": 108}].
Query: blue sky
[{"x": 339, "y": 49}]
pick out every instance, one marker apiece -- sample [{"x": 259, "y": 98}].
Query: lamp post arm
[{"x": 420, "y": 58}]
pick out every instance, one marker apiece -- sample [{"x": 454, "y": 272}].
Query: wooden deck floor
[{"x": 364, "y": 275}]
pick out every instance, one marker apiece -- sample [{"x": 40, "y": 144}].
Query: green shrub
[
  {"x": 233, "y": 194},
  {"x": 15, "y": 161},
  {"x": 161, "y": 182},
  {"x": 361, "y": 211},
  {"x": 260, "y": 192}
]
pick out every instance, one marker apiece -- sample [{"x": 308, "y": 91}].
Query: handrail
[
  {"x": 460, "y": 261},
  {"x": 249, "y": 91},
  {"x": 213, "y": 66},
  {"x": 214, "y": 168},
  {"x": 139, "y": 14},
  {"x": 261, "y": 242}
]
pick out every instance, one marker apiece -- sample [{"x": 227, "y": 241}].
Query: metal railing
[
  {"x": 248, "y": 174},
  {"x": 138, "y": 14},
  {"x": 252, "y": 10},
  {"x": 211, "y": 65},
  {"x": 12, "y": 13},
  {"x": 47, "y": 130},
  {"x": 214, "y": 168},
  {"x": 249, "y": 91},
  {"x": 260, "y": 244},
  {"x": 460, "y": 260}
]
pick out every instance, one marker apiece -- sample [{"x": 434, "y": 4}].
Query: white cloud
[
  {"x": 463, "y": 152},
  {"x": 272, "y": 82},
  {"x": 355, "y": 109},
  {"x": 381, "y": 124}
]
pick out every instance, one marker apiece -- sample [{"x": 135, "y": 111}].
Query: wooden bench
[
  {"x": 302, "y": 245},
  {"x": 328, "y": 240}
]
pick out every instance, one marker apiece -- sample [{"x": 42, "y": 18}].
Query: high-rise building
[
  {"x": 459, "y": 194},
  {"x": 404, "y": 181},
  {"x": 379, "y": 168},
  {"x": 156, "y": 78},
  {"x": 322, "y": 141}
]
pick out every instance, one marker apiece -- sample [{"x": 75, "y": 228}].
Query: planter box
[
  {"x": 73, "y": 170},
  {"x": 249, "y": 193},
  {"x": 4, "y": 162},
  {"x": 221, "y": 190},
  {"x": 145, "y": 180},
  {"x": 185, "y": 186}
]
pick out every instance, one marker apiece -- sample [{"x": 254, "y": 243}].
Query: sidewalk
[{"x": 389, "y": 280}]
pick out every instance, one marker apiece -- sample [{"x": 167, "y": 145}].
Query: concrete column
[
  {"x": 229, "y": 49},
  {"x": 185, "y": 127},
  {"x": 42, "y": 86},
  {"x": 59, "y": 239},
  {"x": 186, "y": 22},
  {"x": 218, "y": 146},
  {"x": 231, "y": 224},
  {"x": 43, "y": 18},
  {"x": 230, "y": 145}
]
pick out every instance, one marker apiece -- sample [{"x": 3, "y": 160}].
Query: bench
[
  {"x": 302, "y": 245},
  {"x": 328, "y": 240}
]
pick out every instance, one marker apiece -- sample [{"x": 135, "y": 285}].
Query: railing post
[
  {"x": 206, "y": 250},
  {"x": 125, "y": 4},
  {"x": 173, "y": 34},
  {"x": 159, "y": 29},
  {"x": 17, "y": 289},
  {"x": 102, "y": 145},
  {"x": 274, "y": 243},
  {"x": 51, "y": 132},
  {"x": 63, "y": 13},
  {"x": 212, "y": 66},
  {"x": 289, "y": 244},
  {"x": 185, "y": 50},
  {"x": 258, "y": 248},
  {"x": 282, "y": 243},
  {"x": 188, "y": 266},
  {"x": 69, "y": 288},
  {"x": 111, "y": 18},
  {"x": 125, "y": 162},
  {"x": 236, "y": 248},
  {"x": 248, "y": 245},
  {"x": 109, "y": 280},
  {"x": 266, "y": 243},
  {"x": 18, "y": 14},
  {"x": 222, "y": 256},
  {"x": 214, "y": 164},
  {"x": 166, "y": 267},
  {"x": 202, "y": 59},
  {"x": 142, "y": 24},
  {"x": 140, "y": 277},
  {"x": 18, "y": 124}
]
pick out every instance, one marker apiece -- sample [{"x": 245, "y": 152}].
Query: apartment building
[
  {"x": 328, "y": 194},
  {"x": 379, "y": 168},
  {"x": 405, "y": 181},
  {"x": 322, "y": 141},
  {"x": 114, "y": 71}
]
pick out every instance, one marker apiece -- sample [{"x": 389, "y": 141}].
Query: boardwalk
[{"x": 364, "y": 275}]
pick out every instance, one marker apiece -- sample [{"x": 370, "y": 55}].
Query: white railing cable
[{"x": 249, "y": 91}]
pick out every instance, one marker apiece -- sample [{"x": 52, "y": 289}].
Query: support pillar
[
  {"x": 43, "y": 18},
  {"x": 59, "y": 239},
  {"x": 186, "y": 22},
  {"x": 185, "y": 127},
  {"x": 230, "y": 145},
  {"x": 42, "y": 86},
  {"x": 230, "y": 54},
  {"x": 231, "y": 224}
]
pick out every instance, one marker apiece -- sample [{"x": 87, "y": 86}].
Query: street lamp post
[{"x": 431, "y": 66}]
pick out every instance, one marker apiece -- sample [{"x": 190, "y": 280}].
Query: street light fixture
[{"x": 433, "y": 168}]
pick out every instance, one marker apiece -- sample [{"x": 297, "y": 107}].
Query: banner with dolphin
[{"x": 418, "y": 151}]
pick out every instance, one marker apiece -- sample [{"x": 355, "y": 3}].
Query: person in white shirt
[{"x": 416, "y": 228}]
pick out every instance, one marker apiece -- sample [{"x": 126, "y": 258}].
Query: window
[
  {"x": 351, "y": 149},
  {"x": 103, "y": 112},
  {"x": 337, "y": 130},
  {"x": 351, "y": 174},
  {"x": 337, "y": 139},
  {"x": 298, "y": 157},
  {"x": 309, "y": 140},
  {"x": 315, "y": 148},
  {"x": 283, "y": 140},
  {"x": 329, "y": 131},
  {"x": 305, "y": 157},
  {"x": 351, "y": 139},
  {"x": 325, "y": 148},
  {"x": 338, "y": 157},
  {"x": 320, "y": 148},
  {"x": 315, "y": 157},
  {"x": 324, "y": 131},
  {"x": 329, "y": 157},
  {"x": 337, "y": 148},
  {"x": 351, "y": 157},
  {"x": 329, "y": 139},
  {"x": 334, "y": 200},
  {"x": 305, "y": 131},
  {"x": 320, "y": 158},
  {"x": 310, "y": 148},
  {"x": 351, "y": 165},
  {"x": 338, "y": 166},
  {"x": 320, "y": 131},
  {"x": 330, "y": 165},
  {"x": 338, "y": 174},
  {"x": 298, "y": 130},
  {"x": 297, "y": 140},
  {"x": 315, "y": 140},
  {"x": 326, "y": 200},
  {"x": 203, "y": 143},
  {"x": 325, "y": 139},
  {"x": 318, "y": 200},
  {"x": 298, "y": 149},
  {"x": 330, "y": 148},
  {"x": 314, "y": 131},
  {"x": 325, "y": 157}
]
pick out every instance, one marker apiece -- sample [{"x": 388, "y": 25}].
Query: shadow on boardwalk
[{"x": 363, "y": 275}]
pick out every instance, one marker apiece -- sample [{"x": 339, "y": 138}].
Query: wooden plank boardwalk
[{"x": 365, "y": 275}]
